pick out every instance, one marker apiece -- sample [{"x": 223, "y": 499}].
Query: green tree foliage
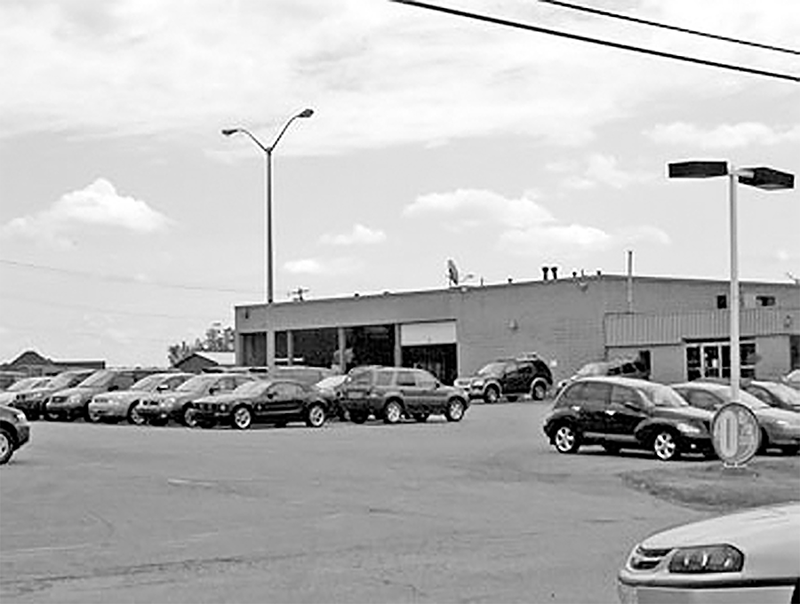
[{"x": 217, "y": 339}]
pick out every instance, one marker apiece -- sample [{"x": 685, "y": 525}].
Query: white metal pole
[{"x": 734, "y": 293}]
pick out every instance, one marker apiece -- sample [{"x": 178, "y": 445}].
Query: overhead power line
[
  {"x": 603, "y": 13},
  {"x": 553, "y": 32},
  {"x": 122, "y": 279}
]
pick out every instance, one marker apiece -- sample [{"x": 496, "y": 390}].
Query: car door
[
  {"x": 282, "y": 401},
  {"x": 626, "y": 409},
  {"x": 406, "y": 384},
  {"x": 430, "y": 395},
  {"x": 522, "y": 383},
  {"x": 511, "y": 381},
  {"x": 587, "y": 400}
]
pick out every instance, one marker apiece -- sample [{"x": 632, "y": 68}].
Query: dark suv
[
  {"x": 510, "y": 378},
  {"x": 620, "y": 413},
  {"x": 630, "y": 368},
  {"x": 391, "y": 393}
]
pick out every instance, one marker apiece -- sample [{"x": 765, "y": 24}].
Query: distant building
[
  {"x": 679, "y": 326},
  {"x": 200, "y": 360},
  {"x": 31, "y": 363}
]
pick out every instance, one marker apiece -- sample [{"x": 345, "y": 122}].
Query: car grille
[{"x": 647, "y": 559}]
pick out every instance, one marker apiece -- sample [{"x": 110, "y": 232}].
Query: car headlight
[
  {"x": 478, "y": 383},
  {"x": 780, "y": 423},
  {"x": 707, "y": 559},
  {"x": 74, "y": 398},
  {"x": 688, "y": 428},
  {"x": 168, "y": 402},
  {"x": 20, "y": 416},
  {"x": 223, "y": 408}
]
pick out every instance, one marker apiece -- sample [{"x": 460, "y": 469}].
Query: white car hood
[{"x": 769, "y": 537}]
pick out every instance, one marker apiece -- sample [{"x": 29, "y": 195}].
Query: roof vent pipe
[
  {"x": 554, "y": 270},
  {"x": 545, "y": 270}
]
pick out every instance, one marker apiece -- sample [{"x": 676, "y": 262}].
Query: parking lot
[{"x": 478, "y": 511}]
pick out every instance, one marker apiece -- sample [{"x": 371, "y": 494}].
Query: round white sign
[{"x": 735, "y": 434}]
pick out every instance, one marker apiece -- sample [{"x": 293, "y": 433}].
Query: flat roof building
[{"x": 679, "y": 325}]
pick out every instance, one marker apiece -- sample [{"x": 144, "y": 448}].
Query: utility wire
[
  {"x": 657, "y": 53},
  {"x": 122, "y": 279},
  {"x": 603, "y": 13}
]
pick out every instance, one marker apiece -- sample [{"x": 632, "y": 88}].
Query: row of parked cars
[{"x": 628, "y": 413}]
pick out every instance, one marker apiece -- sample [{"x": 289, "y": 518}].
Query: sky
[{"x": 129, "y": 223}]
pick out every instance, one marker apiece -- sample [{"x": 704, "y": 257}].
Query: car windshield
[
  {"x": 745, "y": 398},
  {"x": 255, "y": 387},
  {"x": 98, "y": 378},
  {"x": 330, "y": 382},
  {"x": 590, "y": 369},
  {"x": 495, "y": 368},
  {"x": 198, "y": 382},
  {"x": 23, "y": 384},
  {"x": 67, "y": 380},
  {"x": 148, "y": 383},
  {"x": 663, "y": 396},
  {"x": 785, "y": 393}
]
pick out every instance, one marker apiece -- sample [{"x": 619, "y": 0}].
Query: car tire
[
  {"x": 665, "y": 445},
  {"x": 764, "y": 444},
  {"x": 392, "y": 412},
  {"x": 566, "y": 439},
  {"x": 316, "y": 416},
  {"x": 790, "y": 450},
  {"x": 133, "y": 416},
  {"x": 32, "y": 415},
  {"x": 511, "y": 398},
  {"x": 491, "y": 395},
  {"x": 455, "y": 410},
  {"x": 242, "y": 417},
  {"x": 89, "y": 417},
  {"x": 6, "y": 446},
  {"x": 189, "y": 417},
  {"x": 358, "y": 417},
  {"x": 538, "y": 391},
  {"x": 420, "y": 417},
  {"x": 158, "y": 421}
]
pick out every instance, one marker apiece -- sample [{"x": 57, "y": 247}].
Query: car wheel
[
  {"x": 538, "y": 391},
  {"x": 358, "y": 417},
  {"x": 392, "y": 412},
  {"x": 6, "y": 446},
  {"x": 133, "y": 415},
  {"x": 316, "y": 416},
  {"x": 511, "y": 398},
  {"x": 421, "y": 417},
  {"x": 491, "y": 395},
  {"x": 242, "y": 418},
  {"x": 566, "y": 439},
  {"x": 158, "y": 421},
  {"x": 89, "y": 416},
  {"x": 764, "y": 445},
  {"x": 790, "y": 450},
  {"x": 32, "y": 415},
  {"x": 189, "y": 417},
  {"x": 665, "y": 445},
  {"x": 455, "y": 410}
]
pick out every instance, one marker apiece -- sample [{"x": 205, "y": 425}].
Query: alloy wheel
[
  {"x": 664, "y": 446},
  {"x": 242, "y": 418}
]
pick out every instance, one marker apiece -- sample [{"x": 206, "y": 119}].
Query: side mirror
[
  {"x": 213, "y": 390},
  {"x": 632, "y": 405},
  {"x": 162, "y": 387},
  {"x": 113, "y": 387}
]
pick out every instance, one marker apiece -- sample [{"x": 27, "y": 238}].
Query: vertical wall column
[
  {"x": 270, "y": 335},
  {"x": 342, "y": 342},
  {"x": 290, "y": 347},
  {"x": 398, "y": 346}
]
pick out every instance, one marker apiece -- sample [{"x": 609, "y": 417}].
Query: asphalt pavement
[{"x": 478, "y": 511}]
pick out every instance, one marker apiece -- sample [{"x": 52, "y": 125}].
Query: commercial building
[{"x": 679, "y": 326}]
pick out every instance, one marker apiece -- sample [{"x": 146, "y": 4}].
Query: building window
[
  {"x": 765, "y": 300},
  {"x": 722, "y": 301},
  {"x": 713, "y": 360}
]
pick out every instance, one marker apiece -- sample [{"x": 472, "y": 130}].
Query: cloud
[
  {"x": 600, "y": 169},
  {"x": 525, "y": 226},
  {"x": 98, "y": 204},
  {"x": 360, "y": 235},
  {"x": 378, "y": 73},
  {"x": 724, "y": 136},
  {"x": 331, "y": 267}
]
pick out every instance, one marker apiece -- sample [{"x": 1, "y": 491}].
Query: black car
[
  {"x": 392, "y": 393},
  {"x": 509, "y": 378},
  {"x": 623, "y": 367},
  {"x": 620, "y": 413},
  {"x": 15, "y": 431},
  {"x": 267, "y": 401}
]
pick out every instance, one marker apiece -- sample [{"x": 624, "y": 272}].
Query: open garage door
[{"x": 431, "y": 345}]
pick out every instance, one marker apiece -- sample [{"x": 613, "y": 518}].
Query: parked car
[
  {"x": 623, "y": 367},
  {"x": 331, "y": 388},
  {"x": 32, "y": 401},
  {"x": 391, "y": 393},
  {"x": 159, "y": 408},
  {"x": 116, "y": 406},
  {"x": 15, "y": 431},
  {"x": 779, "y": 428},
  {"x": 775, "y": 394},
  {"x": 72, "y": 403},
  {"x": 509, "y": 378},
  {"x": 29, "y": 383},
  {"x": 625, "y": 413},
  {"x": 747, "y": 556},
  {"x": 273, "y": 401}
]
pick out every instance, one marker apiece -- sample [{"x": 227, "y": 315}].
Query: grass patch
[{"x": 709, "y": 485}]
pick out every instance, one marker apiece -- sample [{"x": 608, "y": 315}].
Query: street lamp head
[
  {"x": 229, "y": 131},
  {"x": 697, "y": 169},
  {"x": 306, "y": 113},
  {"x": 767, "y": 179}
]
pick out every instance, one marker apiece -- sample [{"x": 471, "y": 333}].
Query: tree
[{"x": 217, "y": 339}]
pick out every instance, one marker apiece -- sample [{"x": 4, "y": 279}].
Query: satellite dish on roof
[{"x": 452, "y": 273}]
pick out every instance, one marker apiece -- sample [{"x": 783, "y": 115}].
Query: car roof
[{"x": 616, "y": 379}]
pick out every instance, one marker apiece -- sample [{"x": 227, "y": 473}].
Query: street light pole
[{"x": 736, "y": 372}]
